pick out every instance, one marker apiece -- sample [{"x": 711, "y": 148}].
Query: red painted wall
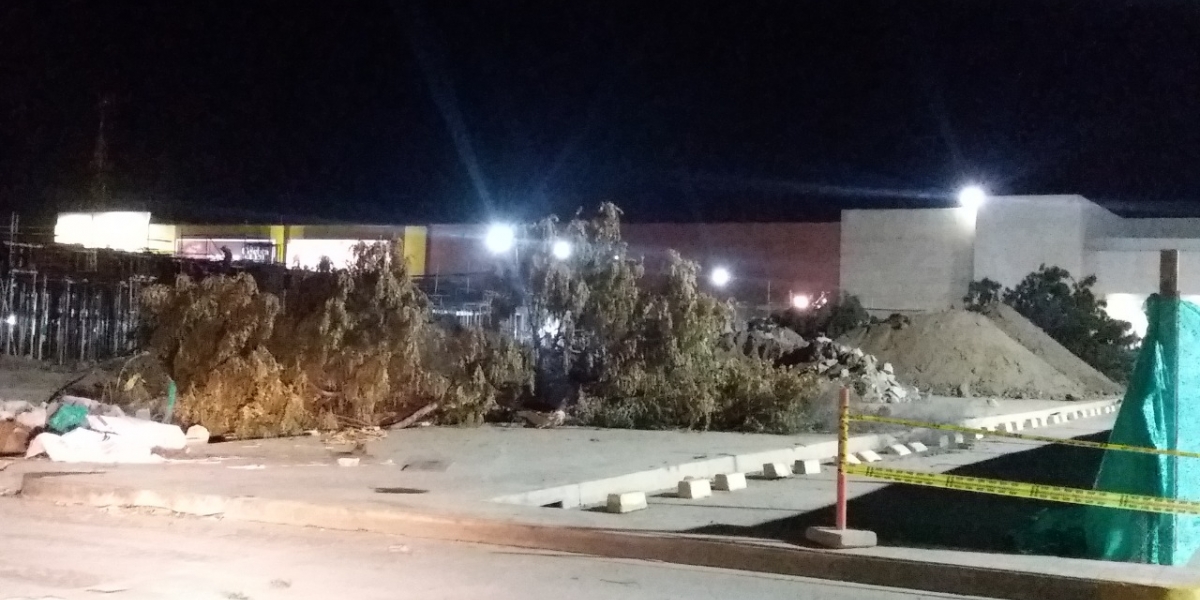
[
  {"x": 799, "y": 257},
  {"x": 456, "y": 250}
]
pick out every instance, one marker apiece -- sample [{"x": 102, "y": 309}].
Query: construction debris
[
  {"x": 960, "y": 352},
  {"x": 764, "y": 340},
  {"x": 197, "y": 435},
  {"x": 14, "y": 437},
  {"x": 81, "y": 430},
  {"x": 417, "y": 415},
  {"x": 872, "y": 381},
  {"x": 543, "y": 420},
  {"x": 86, "y": 446}
]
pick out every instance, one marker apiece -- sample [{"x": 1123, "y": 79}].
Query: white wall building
[{"x": 923, "y": 259}]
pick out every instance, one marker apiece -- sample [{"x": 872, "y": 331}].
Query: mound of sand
[
  {"x": 1055, "y": 354},
  {"x": 943, "y": 352}
]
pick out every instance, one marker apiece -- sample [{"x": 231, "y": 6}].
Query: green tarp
[{"x": 1161, "y": 410}]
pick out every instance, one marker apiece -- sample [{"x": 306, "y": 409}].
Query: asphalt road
[{"x": 49, "y": 551}]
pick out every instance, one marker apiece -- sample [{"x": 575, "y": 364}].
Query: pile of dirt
[
  {"x": 959, "y": 352},
  {"x": 1055, "y": 354}
]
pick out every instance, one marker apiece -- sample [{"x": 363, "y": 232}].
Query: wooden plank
[{"x": 1168, "y": 273}]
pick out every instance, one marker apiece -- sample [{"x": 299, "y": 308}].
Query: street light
[
  {"x": 500, "y": 238},
  {"x": 801, "y": 301},
  {"x": 720, "y": 277},
  {"x": 972, "y": 197},
  {"x": 561, "y": 249}
]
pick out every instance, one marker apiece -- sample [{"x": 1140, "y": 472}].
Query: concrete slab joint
[
  {"x": 626, "y": 503},
  {"x": 694, "y": 489}
]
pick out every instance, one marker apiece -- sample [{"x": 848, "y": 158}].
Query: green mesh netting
[{"x": 1161, "y": 410}]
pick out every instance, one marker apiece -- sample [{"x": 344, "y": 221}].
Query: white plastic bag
[
  {"x": 85, "y": 446},
  {"x": 147, "y": 433}
]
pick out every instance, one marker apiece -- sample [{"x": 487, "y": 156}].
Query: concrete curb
[
  {"x": 745, "y": 555},
  {"x": 1081, "y": 410},
  {"x": 595, "y": 492}
]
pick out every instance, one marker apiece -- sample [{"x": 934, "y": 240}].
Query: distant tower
[{"x": 100, "y": 193}]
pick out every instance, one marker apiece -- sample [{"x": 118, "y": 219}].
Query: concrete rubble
[
  {"x": 101, "y": 434},
  {"x": 871, "y": 380}
]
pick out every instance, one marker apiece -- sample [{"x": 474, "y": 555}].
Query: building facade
[
  {"x": 920, "y": 260},
  {"x": 904, "y": 260}
]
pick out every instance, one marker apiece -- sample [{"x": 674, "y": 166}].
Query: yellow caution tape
[
  {"x": 1015, "y": 489},
  {"x": 1021, "y": 436}
]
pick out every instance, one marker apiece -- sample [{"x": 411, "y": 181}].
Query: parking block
[
  {"x": 730, "y": 482},
  {"x": 777, "y": 471},
  {"x": 807, "y": 467},
  {"x": 626, "y": 503},
  {"x": 694, "y": 489}
]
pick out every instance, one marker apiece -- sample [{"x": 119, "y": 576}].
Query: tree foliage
[
  {"x": 1070, "y": 312},
  {"x": 358, "y": 346},
  {"x": 982, "y": 293},
  {"x": 344, "y": 348},
  {"x": 640, "y": 349}
]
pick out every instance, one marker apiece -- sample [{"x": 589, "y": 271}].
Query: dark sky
[{"x": 457, "y": 110}]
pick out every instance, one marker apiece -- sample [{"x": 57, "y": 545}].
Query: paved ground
[
  {"x": 85, "y": 553},
  {"x": 446, "y": 469},
  {"x": 487, "y": 462},
  {"x": 903, "y": 516},
  {"x": 913, "y": 523}
]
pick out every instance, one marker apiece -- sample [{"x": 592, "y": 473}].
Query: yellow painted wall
[
  {"x": 162, "y": 238},
  {"x": 279, "y": 238},
  {"x": 416, "y": 239}
]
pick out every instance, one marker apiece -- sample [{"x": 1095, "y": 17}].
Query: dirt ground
[
  {"x": 1040, "y": 343},
  {"x": 958, "y": 351},
  {"x": 22, "y": 379}
]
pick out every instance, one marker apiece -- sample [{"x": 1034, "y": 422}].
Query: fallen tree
[
  {"x": 643, "y": 350},
  {"x": 358, "y": 347},
  {"x": 347, "y": 348}
]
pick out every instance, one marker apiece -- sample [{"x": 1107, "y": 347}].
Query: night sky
[{"x": 456, "y": 110}]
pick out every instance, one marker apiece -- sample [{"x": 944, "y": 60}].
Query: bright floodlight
[
  {"x": 801, "y": 301},
  {"x": 561, "y": 249},
  {"x": 972, "y": 197},
  {"x": 500, "y": 238},
  {"x": 11, "y": 320},
  {"x": 720, "y": 276}
]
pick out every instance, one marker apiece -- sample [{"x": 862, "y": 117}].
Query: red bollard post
[
  {"x": 843, "y": 443},
  {"x": 841, "y": 536}
]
